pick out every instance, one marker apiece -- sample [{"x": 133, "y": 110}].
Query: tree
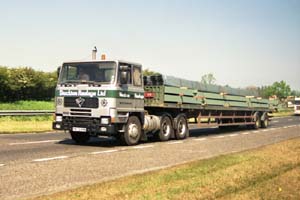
[
  {"x": 24, "y": 83},
  {"x": 280, "y": 89},
  {"x": 208, "y": 79},
  {"x": 148, "y": 72},
  {"x": 295, "y": 93}
]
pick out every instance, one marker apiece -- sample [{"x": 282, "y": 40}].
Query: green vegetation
[
  {"x": 208, "y": 79},
  {"x": 148, "y": 72},
  {"x": 25, "y": 124},
  {"x": 271, "y": 172},
  {"x": 283, "y": 113},
  {"x": 25, "y": 83},
  {"x": 27, "y": 105}
]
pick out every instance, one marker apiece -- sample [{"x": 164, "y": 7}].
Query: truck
[
  {"x": 297, "y": 106},
  {"x": 114, "y": 99}
]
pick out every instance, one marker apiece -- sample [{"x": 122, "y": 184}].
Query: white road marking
[
  {"x": 176, "y": 142},
  {"x": 265, "y": 130},
  {"x": 255, "y": 131},
  {"x": 233, "y": 135},
  {"x": 275, "y": 121},
  {"x": 47, "y": 159},
  {"x": 285, "y": 127},
  {"x": 102, "y": 152},
  {"x": 1, "y": 165},
  {"x": 246, "y": 133},
  {"x": 143, "y": 147},
  {"x": 34, "y": 142},
  {"x": 290, "y": 119},
  {"x": 220, "y": 136},
  {"x": 200, "y": 139}
]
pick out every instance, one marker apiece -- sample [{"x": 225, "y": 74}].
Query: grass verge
[
  {"x": 25, "y": 124},
  {"x": 27, "y": 105},
  {"x": 271, "y": 172}
]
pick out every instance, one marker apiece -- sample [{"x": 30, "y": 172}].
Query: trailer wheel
[
  {"x": 80, "y": 138},
  {"x": 133, "y": 130},
  {"x": 182, "y": 129},
  {"x": 257, "y": 121},
  {"x": 265, "y": 121},
  {"x": 166, "y": 129}
]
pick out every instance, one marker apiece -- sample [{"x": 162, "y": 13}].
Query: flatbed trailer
[{"x": 130, "y": 109}]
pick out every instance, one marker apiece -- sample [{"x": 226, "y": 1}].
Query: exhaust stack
[{"x": 94, "y": 53}]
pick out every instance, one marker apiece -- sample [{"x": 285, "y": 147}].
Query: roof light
[{"x": 103, "y": 56}]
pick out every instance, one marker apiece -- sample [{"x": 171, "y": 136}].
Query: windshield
[
  {"x": 101, "y": 72},
  {"x": 297, "y": 102}
]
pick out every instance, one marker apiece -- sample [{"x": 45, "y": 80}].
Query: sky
[{"x": 241, "y": 42}]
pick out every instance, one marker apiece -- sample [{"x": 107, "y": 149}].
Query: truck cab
[{"x": 97, "y": 98}]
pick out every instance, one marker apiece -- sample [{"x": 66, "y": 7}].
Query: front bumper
[{"x": 92, "y": 125}]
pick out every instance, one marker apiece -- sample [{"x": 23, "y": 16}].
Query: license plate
[{"x": 78, "y": 129}]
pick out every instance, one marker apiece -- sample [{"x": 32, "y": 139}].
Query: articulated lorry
[{"x": 112, "y": 98}]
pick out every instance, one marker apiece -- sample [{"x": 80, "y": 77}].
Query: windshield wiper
[
  {"x": 82, "y": 81},
  {"x": 90, "y": 82}
]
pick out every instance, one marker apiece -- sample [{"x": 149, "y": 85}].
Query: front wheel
[
  {"x": 79, "y": 137},
  {"x": 133, "y": 131}
]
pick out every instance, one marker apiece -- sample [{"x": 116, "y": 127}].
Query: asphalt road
[{"x": 35, "y": 164}]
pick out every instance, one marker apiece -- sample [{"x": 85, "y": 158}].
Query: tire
[
  {"x": 182, "y": 129},
  {"x": 265, "y": 122},
  {"x": 79, "y": 137},
  {"x": 133, "y": 131},
  {"x": 166, "y": 129},
  {"x": 257, "y": 121}
]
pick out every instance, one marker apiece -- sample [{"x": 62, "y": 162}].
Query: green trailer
[{"x": 219, "y": 106}]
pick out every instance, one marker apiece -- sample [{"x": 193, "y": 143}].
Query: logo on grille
[
  {"x": 80, "y": 101},
  {"x": 104, "y": 102}
]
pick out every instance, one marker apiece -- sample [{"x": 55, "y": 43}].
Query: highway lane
[
  {"x": 33, "y": 164},
  {"x": 21, "y": 147}
]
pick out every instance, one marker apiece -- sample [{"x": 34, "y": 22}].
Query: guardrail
[{"x": 25, "y": 112}]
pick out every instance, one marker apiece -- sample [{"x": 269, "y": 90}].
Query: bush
[{"x": 24, "y": 83}]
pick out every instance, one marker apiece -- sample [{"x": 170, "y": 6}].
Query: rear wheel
[
  {"x": 166, "y": 129},
  {"x": 182, "y": 130},
  {"x": 133, "y": 131},
  {"x": 79, "y": 137},
  {"x": 257, "y": 121},
  {"x": 265, "y": 121}
]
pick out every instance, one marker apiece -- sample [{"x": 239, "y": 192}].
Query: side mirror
[
  {"x": 123, "y": 77},
  {"x": 58, "y": 71}
]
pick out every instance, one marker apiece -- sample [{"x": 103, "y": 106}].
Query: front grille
[
  {"x": 298, "y": 108},
  {"x": 81, "y": 121},
  {"x": 86, "y": 102},
  {"x": 81, "y": 112}
]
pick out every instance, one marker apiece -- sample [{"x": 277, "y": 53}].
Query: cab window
[
  {"x": 125, "y": 76},
  {"x": 137, "y": 76}
]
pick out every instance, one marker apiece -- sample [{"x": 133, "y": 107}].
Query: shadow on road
[{"x": 112, "y": 142}]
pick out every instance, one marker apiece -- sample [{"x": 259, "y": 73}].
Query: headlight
[
  {"x": 58, "y": 118},
  {"x": 104, "y": 120}
]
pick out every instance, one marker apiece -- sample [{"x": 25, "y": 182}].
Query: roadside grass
[
  {"x": 25, "y": 124},
  {"x": 270, "y": 172},
  {"x": 27, "y": 105},
  {"x": 283, "y": 113}
]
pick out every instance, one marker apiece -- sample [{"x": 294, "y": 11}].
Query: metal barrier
[{"x": 25, "y": 112}]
